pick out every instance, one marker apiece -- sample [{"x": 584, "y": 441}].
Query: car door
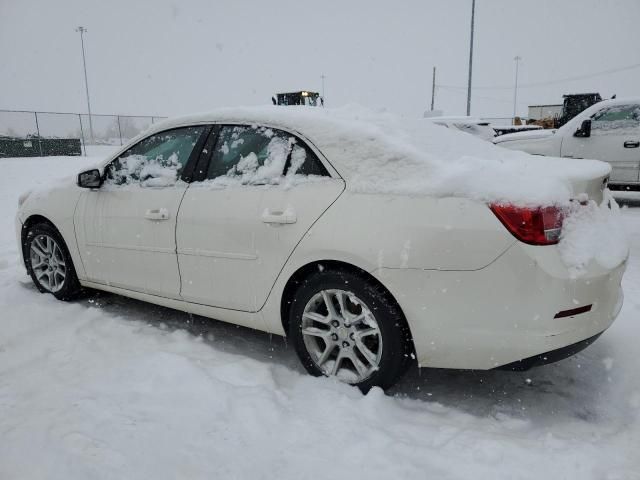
[
  {"x": 126, "y": 228},
  {"x": 264, "y": 189},
  {"x": 615, "y": 138}
]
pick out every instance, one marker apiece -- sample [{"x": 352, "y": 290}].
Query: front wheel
[
  {"x": 345, "y": 326},
  {"x": 49, "y": 263}
]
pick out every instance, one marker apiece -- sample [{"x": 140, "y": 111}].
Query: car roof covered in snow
[
  {"x": 384, "y": 153},
  {"x": 457, "y": 119}
]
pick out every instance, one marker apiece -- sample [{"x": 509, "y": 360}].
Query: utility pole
[
  {"x": 322, "y": 77},
  {"x": 517, "y": 59},
  {"x": 433, "y": 89},
  {"x": 473, "y": 13},
  {"x": 82, "y": 31}
]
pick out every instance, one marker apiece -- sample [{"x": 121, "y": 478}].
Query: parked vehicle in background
[
  {"x": 474, "y": 126},
  {"x": 607, "y": 131},
  {"x": 506, "y": 129},
  {"x": 369, "y": 243},
  {"x": 556, "y": 115},
  {"x": 576, "y": 103}
]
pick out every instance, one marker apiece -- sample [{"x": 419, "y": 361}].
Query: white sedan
[{"x": 368, "y": 243}]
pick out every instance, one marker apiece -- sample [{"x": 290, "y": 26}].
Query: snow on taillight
[{"x": 535, "y": 226}]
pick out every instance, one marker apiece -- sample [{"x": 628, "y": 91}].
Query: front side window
[
  {"x": 157, "y": 160},
  {"x": 616, "y": 117},
  {"x": 254, "y": 155}
]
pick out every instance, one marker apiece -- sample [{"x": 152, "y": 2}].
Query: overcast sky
[{"x": 169, "y": 57}]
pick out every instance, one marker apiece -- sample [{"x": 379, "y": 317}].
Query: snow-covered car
[
  {"x": 367, "y": 239},
  {"x": 474, "y": 126},
  {"x": 507, "y": 129},
  {"x": 607, "y": 131}
]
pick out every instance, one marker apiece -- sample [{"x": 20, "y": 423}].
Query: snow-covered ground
[{"x": 108, "y": 387}]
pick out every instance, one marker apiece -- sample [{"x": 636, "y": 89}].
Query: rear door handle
[
  {"x": 631, "y": 144},
  {"x": 286, "y": 217},
  {"x": 157, "y": 214}
]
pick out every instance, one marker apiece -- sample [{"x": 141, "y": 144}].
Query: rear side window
[{"x": 255, "y": 155}]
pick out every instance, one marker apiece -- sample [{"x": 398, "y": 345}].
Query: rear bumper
[
  {"x": 505, "y": 312},
  {"x": 549, "y": 357}
]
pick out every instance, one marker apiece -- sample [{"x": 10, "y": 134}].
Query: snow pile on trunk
[{"x": 593, "y": 232}]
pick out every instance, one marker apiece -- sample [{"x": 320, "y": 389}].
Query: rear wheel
[
  {"x": 49, "y": 263},
  {"x": 344, "y": 326}
]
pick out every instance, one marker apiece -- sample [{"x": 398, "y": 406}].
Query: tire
[
  {"x": 364, "y": 317},
  {"x": 49, "y": 264}
]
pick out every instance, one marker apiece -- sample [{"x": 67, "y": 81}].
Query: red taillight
[{"x": 535, "y": 226}]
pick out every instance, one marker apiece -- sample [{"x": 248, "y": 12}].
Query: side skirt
[{"x": 253, "y": 320}]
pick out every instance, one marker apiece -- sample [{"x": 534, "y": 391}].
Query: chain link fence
[{"x": 95, "y": 130}]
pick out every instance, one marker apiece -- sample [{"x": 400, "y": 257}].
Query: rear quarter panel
[{"x": 373, "y": 231}]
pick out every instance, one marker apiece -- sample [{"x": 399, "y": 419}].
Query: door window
[
  {"x": 157, "y": 160},
  {"x": 253, "y": 155},
  {"x": 616, "y": 118}
]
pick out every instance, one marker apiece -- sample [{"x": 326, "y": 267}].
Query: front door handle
[
  {"x": 631, "y": 144},
  {"x": 157, "y": 214},
  {"x": 286, "y": 217}
]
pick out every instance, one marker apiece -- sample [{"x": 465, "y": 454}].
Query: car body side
[{"x": 472, "y": 295}]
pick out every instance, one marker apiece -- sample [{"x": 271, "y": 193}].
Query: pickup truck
[{"x": 607, "y": 131}]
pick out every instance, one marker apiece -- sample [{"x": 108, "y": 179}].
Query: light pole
[
  {"x": 82, "y": 30},
  {"x": 473, "y": 13},
  {"x": 323, "y": 77},
  {"x": 433, "y": 89},
  {"x": 517, "y": 59}
]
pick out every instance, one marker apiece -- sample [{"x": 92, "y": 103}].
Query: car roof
[
  {"x": 379, "y": 152},
  {"x": 458, "y": 119}
]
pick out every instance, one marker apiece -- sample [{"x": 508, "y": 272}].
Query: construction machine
[{"x": 303, "y": 97}]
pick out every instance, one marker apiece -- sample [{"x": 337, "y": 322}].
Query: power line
[{"x": 550, "y": 82}]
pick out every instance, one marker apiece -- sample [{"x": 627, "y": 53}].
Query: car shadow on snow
[{"x": 570, "y": 389}]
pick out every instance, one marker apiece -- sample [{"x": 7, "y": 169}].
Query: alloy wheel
[
  {"x": 47, "y": 263},
  {"x": 341, "y": 335}
]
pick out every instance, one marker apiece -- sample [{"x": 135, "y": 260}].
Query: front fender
[{"x": 56, "y": 204}]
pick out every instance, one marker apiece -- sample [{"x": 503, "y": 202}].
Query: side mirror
[
  {"x": 584, "y": 130},
  {"x": 90, "y": 179}
]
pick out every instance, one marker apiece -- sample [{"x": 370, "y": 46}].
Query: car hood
[{"x": 528, "y": 135}]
